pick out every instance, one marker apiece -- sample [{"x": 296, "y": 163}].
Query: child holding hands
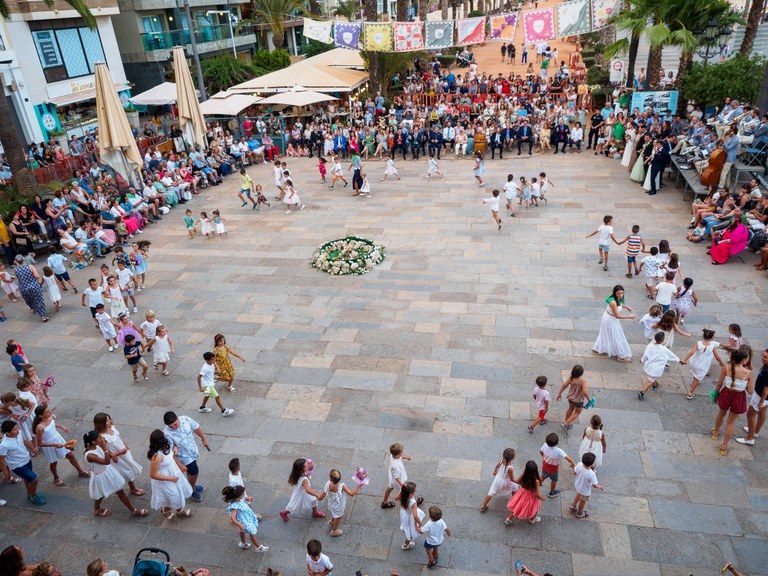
[
  {"x": 303, "y": 497},
  {"x": 586, "y": 479},
  {"x": 336, "y": 492},
  {"x": 396, "y": 474},
  {"x": 542, "y": 397},
  {"x": 243, "y": 517}
]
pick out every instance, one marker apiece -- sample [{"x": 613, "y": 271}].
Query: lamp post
[
  {"x": 231, "y": 30},
  {"x": 712, "y": 39},
  {"x": 195, "y": 55}
]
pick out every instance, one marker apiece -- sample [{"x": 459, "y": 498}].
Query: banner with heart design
[
  {"x": 539, "y": 25},
  {"x": 602, "y": 10},
  {"x": 470, "y": 31},
  {"x": 438, "y": 35},
  {"x": 408, "y": 36},
  {"x": 573, "y": 18},
  {"x": 319, "y": 30},
  {"x": 378, "y": 37},
  {"x": 503, "y": 27},
  {"x": 347, "y": 35}
]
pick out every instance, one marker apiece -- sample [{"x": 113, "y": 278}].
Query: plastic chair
[{"x": 755, "y": 155}]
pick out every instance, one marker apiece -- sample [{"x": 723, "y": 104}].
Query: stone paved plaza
[{"x": 437, "y": 349}]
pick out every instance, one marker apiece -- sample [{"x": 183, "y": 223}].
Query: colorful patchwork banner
[
  {"x": 347, "y": 34},
  {"x": 539, "y": 25},
  {"x": 319, "y": 30},
  {"x": 378, "y": 37},
  {"x": 503, "y": 27},
  {"x": 602, "y": 10},
  {"x": 408, "y": 36},
  {"x": 573, "y": 18},
  {"x": 438, "y": 35},
  {"x": 470, "y": 31}
]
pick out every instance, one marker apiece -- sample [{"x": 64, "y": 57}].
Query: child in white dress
[
  {"x": 432, "y": 167},
  {"x": 511, "y": 191},
  {"x": 390, "y": 170},
  {"x": 52, "y": 443},
  {"x": 170, "y": 487},
  {"x": 303, "y": 497},
  {"x": 593, "y": 440},
  {"x": 205, "y": 225},
  {"x": 52, "y": 287},
  {"x": 365, "y": 189},
  {"x": 335, "y": 493},
  {"x": 125, "y": 464},
  {"x": 699, "y": 359},
  {"x": 291, "y": 197},
  {"x": 107, "y": 326},
  {"x": 218, "y": 222},
  {"x": 163, "y": 348},
  {"x": 9, "y": 286},
  {"x": 114, "y": 295},
  {"x": 654, "y": 360},
  {"x": 105, "y": 480},
  {"x": 650, "y": 319},
  {"x": 668, "y": 325},
  {"x": 544, "y": 183},
  {"x": 503, "y": 478},
  {"x": 21, "y": 410},
  {"x": 410, "y": 515}
]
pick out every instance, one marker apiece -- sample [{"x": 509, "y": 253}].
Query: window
[
  {"x": 67, "y": 52},
  {"x": 151, "y": 24}
]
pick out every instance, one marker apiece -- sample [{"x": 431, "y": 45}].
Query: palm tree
[
  {"x": 369, "y": 13},
  {"x": 346, "y": 9},
  {"x": 12, "y": 144},
  {"x": 444, "y": 9},
  {"x": 753, "y": 20},
  {"x": 423, "y": 10},
  {"x": 275, "y": 13},
  {"x": 402, "y": 10},
  {"x": 634, "y": 21}
]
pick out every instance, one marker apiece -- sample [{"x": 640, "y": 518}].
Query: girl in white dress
[
  {"x": 669, "y": 326},
  {"x": 205, "y": 225},
  {"x": 303, "y": 497},
  {"x": 593, "y": 440},
  {"x": 122, "y": 459},
  {"x": 218, "y": 222},
  {"x": 105, "y": 480},
  {"x": 650, "y": 319},
  {"x": 629, "y": 136},
  {"x": 114, "y": 295},
  {"x": 170, "y": 487},
  {"x": 52, "y": 286},
  {"x": 291, "y": 197},
  {"x": 390, "y": 170},
  {"x": 699, "y": 359},
  {"x": 162, "y": 348},
  {"x": 53, "y": 445},
  {"x": 410, "y": 515},
  {"x": 479, "y": 169},
  {"x": 335, "y": 494},
  {"x": 611, "y": 339},
  {"x": 503, "y": 478}
]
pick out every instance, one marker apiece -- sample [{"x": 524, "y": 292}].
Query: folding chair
[{"x": 755, "y": 155}]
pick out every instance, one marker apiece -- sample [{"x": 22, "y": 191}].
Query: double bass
[{"x": 710, "y": 176}]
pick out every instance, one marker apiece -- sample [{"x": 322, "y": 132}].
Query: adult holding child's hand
[{"x": 611, "y": 339}]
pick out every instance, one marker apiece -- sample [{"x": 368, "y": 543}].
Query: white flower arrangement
[{"x": 350, "y": 255}]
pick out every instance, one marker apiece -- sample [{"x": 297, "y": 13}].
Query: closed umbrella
[
  {"x": 190, "y": 116},
  {"x": 117, "y": 146}
]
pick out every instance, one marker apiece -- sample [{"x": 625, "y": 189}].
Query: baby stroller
[
  {"x": 464, "y": 59},
  {"x": 153, "y": 566}
]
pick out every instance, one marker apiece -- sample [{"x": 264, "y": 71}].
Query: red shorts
[
  {"x": 733, "y": 400},
  {"x": 542, "y": 414}
]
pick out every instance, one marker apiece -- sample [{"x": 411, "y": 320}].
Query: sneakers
[
  {"x": 746, "y": 429},
  {"x": 227, "y": 411},
  {"x": 244, "y": 545},
  {"x": 261, "y": 548},
  {"x": 38, "y": 499},
  {"x": 554, "y": 494},
  {"x": 2, "y": 502},
  {"x": 530, "y": 429},
  {"x": 196, "y": 497},
  {"x": 111, "y": 349},
  {"x": 135, "y": 309},
  {"x": 640, "y": 396},
  {"x": 745, "y": 441},
  {"x": 204, "y": 410},
  {"x": 199, "y": 488}
]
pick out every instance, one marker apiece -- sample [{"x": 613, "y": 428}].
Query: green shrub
[
  {"x": 271, "y": 60},
  {"x": 597, "y": 75}
]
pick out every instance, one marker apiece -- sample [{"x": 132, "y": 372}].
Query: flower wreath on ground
[{"x": 350, "y": 255}]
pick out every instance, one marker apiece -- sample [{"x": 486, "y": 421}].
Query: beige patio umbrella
[
  {"x": 297, "y": 96},
  {"x": 117, "y": 146},
  {"x": 191, "y": 118}
]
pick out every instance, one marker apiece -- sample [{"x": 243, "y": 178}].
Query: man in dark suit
[
  {"x": 510, "y": 133},
  {"x": 658, "y": 163},
  {"x": 435, "y": 140},
  {"x": 524, "y": 137},
  {"x": 417, "y": 139},
  {"x": 497, "y": 143},
  {"x": 560, "y": 136}
]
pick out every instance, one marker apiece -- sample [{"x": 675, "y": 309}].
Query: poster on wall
[
  {"x": 539, "y": 25},
  {"x": 660, "y": 101}
]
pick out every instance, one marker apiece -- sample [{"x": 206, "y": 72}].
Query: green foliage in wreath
[{"x": 345, "y": 256}]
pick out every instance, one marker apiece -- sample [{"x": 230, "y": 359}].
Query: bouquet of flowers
[
  {"x": 361, "y": 476},
  {"x": 310, "y": 467}
]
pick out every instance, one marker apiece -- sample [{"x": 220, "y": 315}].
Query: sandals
[
  {"x": 59, "y": 482},
  {"x": 584, "y": 514},
  {"x": 165, "y": 373},
  {"x": 410, "y": 546},
  {"x": 140, "y": 512},
  {"x": 85, "y": 475},
  {"x": 138, "y": 492},
  {"x": 167, "y": 512},
  {"x": 690, "y": 396},
  {"x": 102, "y": 512},
  {"x": 714, "y": 434},
  {"x": 572, "y": 508},
  {"x": 534, "y": 520},
  {"x": 483, "y": 508},
  {"x": 185, "y": 513},
  {"x": 14, "y": 480},
  {"x": 628, "y": 275},
  {"x": 389, "y": 504},
  {"x": 507, "y": 521},
  {"x": 338, "y": 532},
  {"x": 723, "y": 450}
]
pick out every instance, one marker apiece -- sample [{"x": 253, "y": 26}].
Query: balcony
[{"x": 157, "y": 45}]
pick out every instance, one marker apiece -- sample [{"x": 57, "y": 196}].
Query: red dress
[{"x": 524, "y": 504}]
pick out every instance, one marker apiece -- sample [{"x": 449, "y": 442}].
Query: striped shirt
[{"x": 633, "y": 244}]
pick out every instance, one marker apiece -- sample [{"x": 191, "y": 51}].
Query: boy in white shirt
[
  {"x": 654, "y": 361},
  {"x": 107, "y": 326},
  {"x": 665, "y": 291},
  {"x": 551, "y": 455},
  {"x": 545, "y": 184},
  {"x": 206, "y": 383},
  {"x": 651, "y": 264},
  {"x": 94, "y": 296},
  {"x": 436, "y": 531},
  {"x": 605, "y": 232},
  {"x": 277, "y": 172},
  {"x": 432, "y": 167},
  {"x": 396, "y": 475},
  {"x": 586, "y": 479},
  {"x": 542, "y": 397},
  {"x": 494, "y": 202},
  {"x": 318, "y": 564},
  {"x": 535, "y": 191},
  {"x": 511, "y": 191},
  {"x": 338, "y": 173}
]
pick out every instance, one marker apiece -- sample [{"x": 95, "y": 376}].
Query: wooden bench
[
  {"x": 690, "y": 178},
  {"x": 739, "y": 167}
]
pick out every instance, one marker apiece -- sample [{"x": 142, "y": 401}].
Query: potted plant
[
  {"x": 133, "y": 116},
  {"x": 60, "y": 136}
]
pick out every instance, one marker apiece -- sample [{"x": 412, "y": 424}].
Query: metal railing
[{"x": 167, "y": 39}]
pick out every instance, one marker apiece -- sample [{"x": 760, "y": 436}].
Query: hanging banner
[
  {"x": 658, "y": 101},
  {"x": 602, "y": 10},
  {"x": 539, "y": 25},
  {"x": 408, "y": 36},
  {"x": 347, "y": 35},
  {"x": 378, "y": 37},
  {"x": 573, "y": 18},
  {"x": 503, "y": 27},
  {"x": 438, "y": 35},
  {"x": 470, "y": 31},
  {"x": 319, "y": 30}
]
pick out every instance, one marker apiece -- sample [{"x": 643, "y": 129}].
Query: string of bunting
[{"x": 560, "y": 21}]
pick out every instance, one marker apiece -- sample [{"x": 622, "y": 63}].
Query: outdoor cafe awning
[
  {"x": 224, "y": 104},
  {"x": 317, "y": 78},
  {"x": 160, "y": 95},
  {"x": 82, "y": 95}
]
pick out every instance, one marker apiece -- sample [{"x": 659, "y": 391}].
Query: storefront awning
[{"x": 81, "y": 96}]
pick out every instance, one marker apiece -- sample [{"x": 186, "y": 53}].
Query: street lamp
[
  {"x": 712, "y": 39},
  {"x": 231, "y": 30}
]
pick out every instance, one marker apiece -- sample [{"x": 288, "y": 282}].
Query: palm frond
[
  {"x": 658, "y": 35},
  {"x": 621, "y": 46}
]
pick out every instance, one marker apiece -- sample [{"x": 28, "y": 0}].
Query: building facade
[
  {"x": 46, "y": 61},
  {"x": 147, "y": 31}
]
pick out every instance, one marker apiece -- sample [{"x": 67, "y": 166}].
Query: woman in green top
[{"x": 618, "y": 128}]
